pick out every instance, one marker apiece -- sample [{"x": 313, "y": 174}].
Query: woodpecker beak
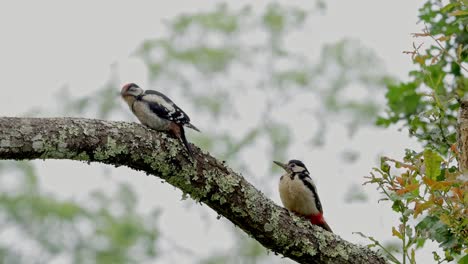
[{"x": 284, "y": 166}]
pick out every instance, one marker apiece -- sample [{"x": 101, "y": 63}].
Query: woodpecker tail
[
  {"x": 325, "y": 226},
  {"x": 184, "y": 140},
  {"x": 320, "y": 221},
  {"x": 192, "y": 127}
]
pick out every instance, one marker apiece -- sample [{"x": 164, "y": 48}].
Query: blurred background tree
[{"x": 258, "y": 95}]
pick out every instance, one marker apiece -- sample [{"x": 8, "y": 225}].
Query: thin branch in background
[{"x": 426, "y": 33}]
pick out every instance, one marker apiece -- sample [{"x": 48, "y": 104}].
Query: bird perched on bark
[
  {"x": 299, "y": 194},
  {"x": 157, "y": 111}
]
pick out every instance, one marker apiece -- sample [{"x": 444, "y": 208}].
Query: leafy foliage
[
  {"x": 428, "y": 104},
  {"x": 426, "y": 188},
  {"x": 431, "y": 199}
]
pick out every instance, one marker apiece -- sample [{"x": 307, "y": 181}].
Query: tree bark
[
  {"x": 463, "y": 137},
  {"x": 204, "y": 178}
]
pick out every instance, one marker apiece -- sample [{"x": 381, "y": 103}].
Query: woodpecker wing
[
  {"x": 163, "y": 107},
  {"x": 305, "y": 178}
]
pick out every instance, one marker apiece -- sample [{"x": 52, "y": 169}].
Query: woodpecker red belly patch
[{"x": 317, "y": 219}]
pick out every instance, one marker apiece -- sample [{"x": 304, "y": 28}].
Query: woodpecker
[
  {"x": 299, "y": 194},
  {"x": 157, "y": 111}
]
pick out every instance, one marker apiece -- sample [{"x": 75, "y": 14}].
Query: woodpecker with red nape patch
[
  {"x": 299, "y": 194},
  {"x": 157, "y": 111}
]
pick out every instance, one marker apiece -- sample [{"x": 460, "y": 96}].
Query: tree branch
[
  {"x": 463, "y": 136},
  {"x": 206, "y": 180}
]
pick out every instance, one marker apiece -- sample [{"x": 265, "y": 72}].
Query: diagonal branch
[{"x": 206, "y": 180}]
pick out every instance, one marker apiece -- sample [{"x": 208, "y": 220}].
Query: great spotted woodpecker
[
  {"x": 157, "y": 111},
  {"x": 299, "y": 194}
]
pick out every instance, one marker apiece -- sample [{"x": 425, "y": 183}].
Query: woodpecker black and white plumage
[
  {"x": 157, "y": 111},
  {"x": 299, "y": 194}
]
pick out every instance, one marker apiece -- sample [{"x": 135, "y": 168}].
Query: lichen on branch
[{"x": 204, "y": 178}]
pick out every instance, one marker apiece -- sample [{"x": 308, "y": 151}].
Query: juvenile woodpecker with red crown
[
  {"x": 157, "y": 111},
  {"x": 299, "y": 194}
]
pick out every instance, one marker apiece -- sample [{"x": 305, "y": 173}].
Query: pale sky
[{"x": 48, "y": 44}]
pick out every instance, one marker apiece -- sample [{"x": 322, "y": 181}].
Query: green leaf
[
  {"x": 396, "y": 233},
  {"x": 463, "y": 260},
  {"x": 448, "y": 7},
  {"x": 459, "y": 13},
  {"x": 403, "y": 98},
  {"x": 432, "y": 162},
  {"x": 398, "y": 206}
]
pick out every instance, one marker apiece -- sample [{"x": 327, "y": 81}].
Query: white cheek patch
[
  {"x": 297, "y": 169},
  {"x": 137, "y": 92}
]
